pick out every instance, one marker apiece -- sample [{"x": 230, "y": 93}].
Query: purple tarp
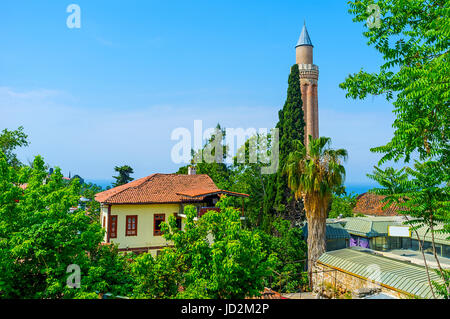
[
  {"x": 364, "y": 242},
  {"x": 359, "y": 241}
]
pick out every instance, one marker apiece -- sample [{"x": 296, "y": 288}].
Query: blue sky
[{"x": 111, "y": 92}]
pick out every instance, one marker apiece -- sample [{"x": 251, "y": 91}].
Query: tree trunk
[{"x": 316, "y": 241}]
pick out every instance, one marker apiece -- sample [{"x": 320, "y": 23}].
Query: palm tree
[{"x": 314, "y": 172}]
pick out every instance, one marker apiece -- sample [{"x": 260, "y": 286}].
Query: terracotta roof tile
[
  {"x": 371, "y": 204},
  {"x": 197, "y": 192},
  {"x": 269, "y": 294},
  {"x": 157, "y": 188}
]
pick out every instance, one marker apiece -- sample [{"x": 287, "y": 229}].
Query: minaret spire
[
  {"x": 304, "y": 37},
  {"x": 309, "y": 76}
]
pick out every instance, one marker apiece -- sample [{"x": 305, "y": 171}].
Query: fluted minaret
[{"x": 309, "y": 75}]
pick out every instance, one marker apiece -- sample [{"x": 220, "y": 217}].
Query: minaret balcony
[{"x": 308, "y": 67}]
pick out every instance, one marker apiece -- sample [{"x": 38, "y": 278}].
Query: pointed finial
[{"x": 304, "y": 37}]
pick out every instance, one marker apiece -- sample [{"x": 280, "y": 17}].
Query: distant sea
[
  {"x": 100, "y": 182},
  {"x": 356, "y": 188}
]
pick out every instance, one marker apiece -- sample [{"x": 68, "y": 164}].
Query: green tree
[
  {"x": 9, "y": 141},
  {"x": 88, "y": 191},
  {"x": 291, "y": 127},
  {"x": 442, "y": 289},
  {"x": 216, "y": 256},
  {"x": 124, "y": 175},
  {"x": 342, "y": 205},
  {"x": 208, "y": 161},
  {"x": 423, "y": 193},
  {"x": 413, "y": 38},
  {"x": 247, "y": 177},
  {"x": 107, "y": 272},
  {"x": 40, "y": 238},
  {"x": 288, "y": 245},
  {"x": 314, "y": 174},
  {"x": 158, "y": 277},
  {"x": 390, "y": 179}
]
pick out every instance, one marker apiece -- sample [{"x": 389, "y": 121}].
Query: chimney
[{"x": 192, "y": 170}]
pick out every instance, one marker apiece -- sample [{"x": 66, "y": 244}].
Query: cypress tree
[{"x": 291, "y": 125}]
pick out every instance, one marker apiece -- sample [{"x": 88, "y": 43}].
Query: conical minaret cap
[{"x": 304, "y": 38}]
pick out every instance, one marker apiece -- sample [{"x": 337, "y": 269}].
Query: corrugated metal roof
[
  {"x": 439, "y": 237},
  {"x": 369, "y": 226},
  {"x": 333, "y": 230},
  {"x": 393, "y": 274}
]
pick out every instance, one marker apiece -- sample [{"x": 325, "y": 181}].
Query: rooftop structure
[
  {"x": 370, "y": 226},
  {"x": 334, "y": 230},
  {"x": 392, "y": 275},
  {"x": 163, "y": 188},
  {"x": 439, "y": 237},
  {"x": 372, "y": 204},
  {"x": 132, "y": 214}
]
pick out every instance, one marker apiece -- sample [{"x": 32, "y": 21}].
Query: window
[
  {"x": 113, "y": 226},
  {"x": 104, "y": 222},
  {"x": 446, "y": 251},
  {"x": 179, "y": 219},
  {"x": 158, "y": 219},
  {"x": 131, "y": 226}
]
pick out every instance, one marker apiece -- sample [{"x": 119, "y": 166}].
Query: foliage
[
  {"x": 40, "y": 238},
  {"x": 291, "y": 130},
  {"x": 288, "y": 245},
  {"x": 89, "y": 191},
  {"x": 314, "y": 173},
  {"x": 342, "y": 205},
  {"x": 215, "y": 256},
  {"x": 269, "y": 193},
  {"x": 124, "y": 175},
  {"x": 108, "y": 271},
  {"x": 9, "y": 141},
  {"x": 413, "y": 38},
  {"x": 247, "y": 177},
  {"x": 215, "y": 167},
  {"x": 423, "y": 193},
  {"x": 157, "y": 277},
  {"x": 392, "y": 181},
  {"x": 442, "y": 289}
]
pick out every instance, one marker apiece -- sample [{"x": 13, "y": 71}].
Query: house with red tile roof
[
  {"x": 372, "y": 205},
  {"x": 132, "y": 213}
]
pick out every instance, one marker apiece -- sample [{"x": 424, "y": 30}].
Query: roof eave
[{"x": 304, "y": 45}]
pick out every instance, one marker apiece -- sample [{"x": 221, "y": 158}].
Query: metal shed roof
[
  {"x": 334, "y": 230},
  {"x": 369, "y": 226},
  {"x": 393, "y": 274},
  {"x": 439, "y": 236}
]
